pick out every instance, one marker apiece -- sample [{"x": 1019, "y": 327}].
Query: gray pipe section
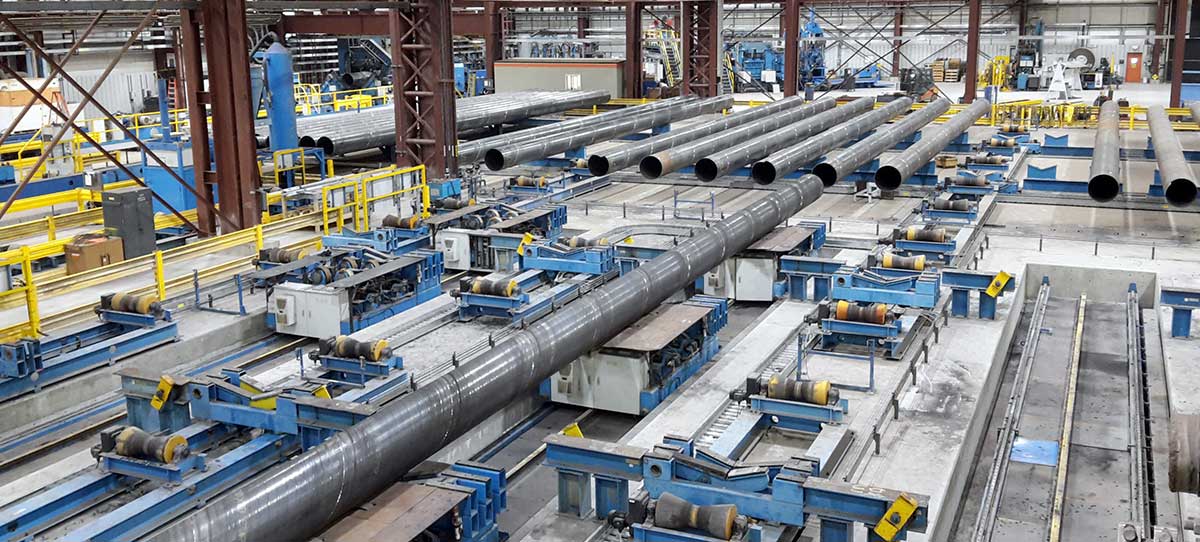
[
  {"x": 661, "y": 163},
  {"x": 840, "y": 163},
  {"x": 1178, "y": 180},
  {"x": 1106, "y": 154},
  {"x": 603, "y": 164},
  {"x": 357, "y": 130},
  {"x": 722, "y": 162},
  {"x": 785, "y": 161},
  {"x": 473, "y": 151},
  {"x": 1195, "y": 107},
  {"x": 892, "y": 172},
  {"x": 499, "y": 158},
  {"x": 296, "y": 499}
]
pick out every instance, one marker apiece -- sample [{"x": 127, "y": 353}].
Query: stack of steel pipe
[
  {"x": 473, "y": 151},
  {"x": 498, "y": 158},
  {"x": 661, "y": 163},
  {"x": 603, "y": 164},
  {"x": 296, "y": 499},
  {"x": 1106, "y": 154},
  {"x": 785, "y": 161},
  {"x": 721, "y": 163},
  {"x": 361, "y": 129},
  {"x": 838, "y": 164},
  {"x": 1173, "y": 169},
  {"x": 893, "y": 171}
]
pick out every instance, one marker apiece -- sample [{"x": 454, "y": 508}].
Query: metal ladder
[
  {"x": 726, "y": 74},
  {"x": 668, "y": 43}
]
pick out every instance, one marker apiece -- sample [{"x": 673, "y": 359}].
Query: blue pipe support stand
[{"x": 1182, "y": 302}]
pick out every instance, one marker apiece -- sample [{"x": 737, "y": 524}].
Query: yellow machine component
[
  {"x": 408, "y": 223},
  {"x": 998, "y": 283},
  {"x": 875, "y": 313},
  {"x": 573, "y": 430},
  {"x": 820, "y": 392},
  {"x": 525, "y": 240},
  {"x": 995, "y": 74},
  {"x": 267, "y": 403},
  {"x": 896, "y": 517},
  {"x": 323, "y": 392},
  {"x": 174, "y": 442},
  {"x": 915, "y": 263},
  {"x": 163, "y": 392}
]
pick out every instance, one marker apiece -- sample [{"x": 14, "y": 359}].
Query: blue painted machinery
[
  {"x": 677, "y": 475},
  {"x": 798, "y": 271},
  {"x": 938, "y": 210},
  {"x": 861, "y": 300},
  {"x": 551, "y": 274},
  {"x": 127, "y": 325},
  {"x": 190, "y": 439},
  {"x": 639, "y": 368},
  {"x": 1182, "y": 302},
  {"x": 394, "y": 241},
  {"x": 341, "y": 290},
  {"x": 990, "y": 287},
  {"x": 927, "y": 242}
]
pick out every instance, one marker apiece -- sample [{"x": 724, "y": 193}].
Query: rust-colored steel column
[
  {"x": 972, "y": 75},
  {"x": 234, "y": 147},
  {"x": 699, "y": 24},
  {"x": 687, "y": 46},
  {"x": 192, "y": 68},
  {"x": 897, "y": 33},
  {"x": 493, "y": 39},
  {"x": 791, "y": 47},
  {"x": 1156, "y": 50},
  {"x": 1178, "y": 49},
  {"x": 582, "y": 23},
  {"x": 423, "y": 81},
  {"x": 633, "y": 50}
]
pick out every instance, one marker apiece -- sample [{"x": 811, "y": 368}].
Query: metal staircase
[{"x": 726, "y": 75}]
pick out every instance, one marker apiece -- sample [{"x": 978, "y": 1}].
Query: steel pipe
[
  {"x": 1106, "y": 154},
  {"x": 727, "y": 160},
  {"x": 1179, "y": 183},
  {"x": 296, "y": 499},
  {"x": 1195, "y": 108},
  {"x": 785, "y": 161},
  {"x": 473, "y": 151},
  {"x": 603, "y": 164},
  {"x": 661, "y": 163},
  {"x": 892, "y": 173},
  {"x": 506, "y": 156},
  {"x": 838, "y": 164}
]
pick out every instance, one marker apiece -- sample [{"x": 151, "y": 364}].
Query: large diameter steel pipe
[
  {"x": 661, "y": 163},
  {"x": 785, "y": 161},
  {"x": 509, "y": 155},
  {"x": 892, "y": 173},
  {"x": 473, "y": 151},
  {"x": 1173, "y": 168},
  {"x": 725, "y": 161},
  {"x": 603, "y": 164},
  {"x": 839, "y": 164},
  {"x": 296, "y": 499},
  {"x": 1106, "y": 154}
]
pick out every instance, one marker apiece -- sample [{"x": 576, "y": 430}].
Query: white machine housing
[{"x": 309, "y": 311}]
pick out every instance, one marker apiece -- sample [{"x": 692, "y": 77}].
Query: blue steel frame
[
  {"x": 891, "y": 286},
  {"x": 1182, "y": 302},
  {"x": 963, "y": 282},
  {"x": 943, "y": 251},
  {"x": 28, "y": 365},
  {"x": 930, "y": 214},
  {"x": 798, "y": 270},
  {"x": 395, "y": 241},
  {"x": 786, "y": 495}
]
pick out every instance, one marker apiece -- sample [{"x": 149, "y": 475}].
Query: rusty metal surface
[
  {"x": 657, "y": 329},
  {"x": 402, "y": 512},
  {"x": 782, "y": 240}
]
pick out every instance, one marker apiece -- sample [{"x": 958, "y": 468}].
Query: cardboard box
[
  {"x": 946, "y": 161},
  {"x": 93, "y": 251}
]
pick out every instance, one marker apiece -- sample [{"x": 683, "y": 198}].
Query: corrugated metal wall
[{"x": 124, "y": 88}]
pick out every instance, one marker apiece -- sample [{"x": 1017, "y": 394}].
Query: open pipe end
[
  {"x": 1181, "y": 192},
  {"x": 763, "y": 172},
  {"x": 494, "y": 159},
  {"x": 888, "y": 178},
  {"x": 827, "y": 173},
  {"x": 306, "y": 141},
  {"x": 598, "y": 165},
  {"x": 651, "y": 167},
  {"x": 1103, "y": 188},
  {"x": 326, "y": 145},
  {"x": 706, "y": 170}
]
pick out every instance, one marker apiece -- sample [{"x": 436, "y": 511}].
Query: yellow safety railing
[
  {"x": 367, "y": 200},
  {"x": 27, "y": 289},
  {"x": 350, "y": 201},
  {"x": 285, "y": 160}
]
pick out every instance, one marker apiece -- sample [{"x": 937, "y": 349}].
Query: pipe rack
[{"x": 892, "y": 173}]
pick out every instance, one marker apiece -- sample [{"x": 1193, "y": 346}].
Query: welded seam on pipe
[
  {"x": 898, "y": 168},
  {"x": 837, "y": 165},
  {"x": 1106, "y": 154}
]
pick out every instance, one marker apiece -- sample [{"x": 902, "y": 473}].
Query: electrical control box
[
  {"x": 455, "y": 246},
  {"x": 129, "y": 214},
  {"x": 309, "y": 311}
]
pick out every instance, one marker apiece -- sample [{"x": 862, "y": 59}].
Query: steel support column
[
  {"x": 897, "y": 33},
  {"x": 192, "y": 67},
  {"x": 493, "y": 38},
  {"x": 791, "y": 47},
  {"x": 699, "y": 32},
  {"x": 1178, "y": 49},
  {"x": 974, "y": 16},
  {"x": 582, "y": 23},
  {"x": 1156, "y": 50},
  {"x": 234, "y": 147},
  {"x": 423, "y": 80},
  {"x": 633, "y": 50}
]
